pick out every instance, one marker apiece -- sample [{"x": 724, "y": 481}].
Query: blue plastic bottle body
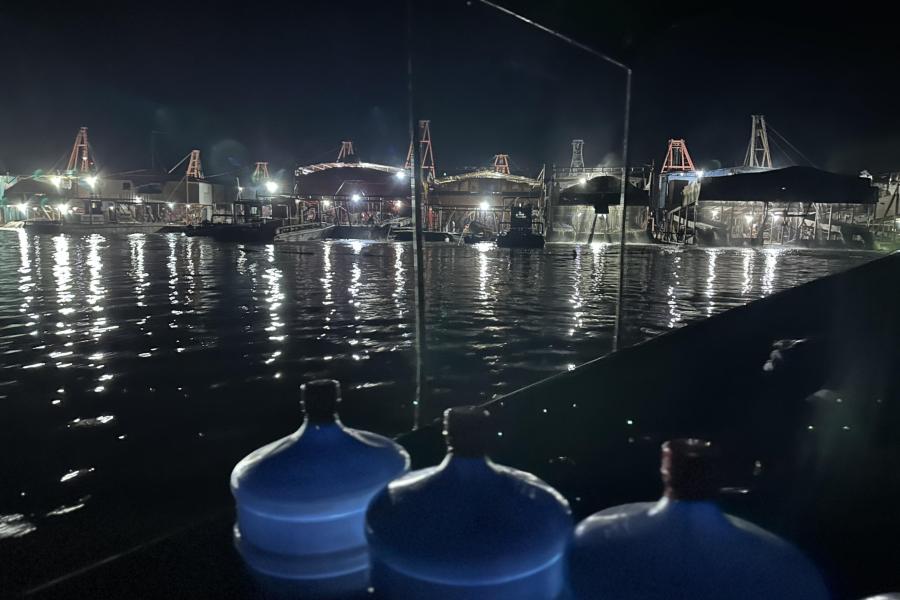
[
  {"x": 685, "y": 549},
  {"x": 468, "y": 529},
  {"x": 301, "y": 500}
]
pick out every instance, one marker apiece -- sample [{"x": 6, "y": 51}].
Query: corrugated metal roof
[
  {"x": 346, "y": 179},
  {"x": 792, "y": 184},
  {"x": 32, "y": 187},
  {"x": 308, "y": 169},
  {"x": 488, "y": 174}
]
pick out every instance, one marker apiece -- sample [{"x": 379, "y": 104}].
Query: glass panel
[{"x": 177, "y": 259}]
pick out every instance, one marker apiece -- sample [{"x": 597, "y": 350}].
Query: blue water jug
[
  {"x": 301, "y": 500},
  {"x": 684, "y": 546},
  {"x": 468, "y": 528}
]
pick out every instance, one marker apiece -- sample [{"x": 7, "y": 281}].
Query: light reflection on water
[
  {"x": 675, "y": 315},
  {"x": 711, "y": 281},
  {"x": 143, "y": 360}
]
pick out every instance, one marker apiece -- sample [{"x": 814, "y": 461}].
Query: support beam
[
  {"x": 501, "y": 163},
  {"x": 417, "y": 214},
  {"x": 758, "y": 154},
  {"x": 261, "y": 172},
  {"x": 194, "y": 169},
  {"x": 577, "y": 164},
  {"x": 80, "y": 160},
  {"x": 677, "y": 157},
  {"x": 425, "y": 151},
  {"x": 346, "y": 151}
]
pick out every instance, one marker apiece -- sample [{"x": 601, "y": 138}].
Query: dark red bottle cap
[
  {"x": 320, "y": 399},
  {"x": 468, "y": 431},
  {"x": 690, "y": 469}
]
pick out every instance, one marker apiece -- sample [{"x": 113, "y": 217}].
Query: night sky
[{"x": 286, "y": 83}]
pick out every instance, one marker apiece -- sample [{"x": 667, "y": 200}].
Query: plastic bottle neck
[
  {"x": 694, "y": 489},
  {"x": 321, "y": 425},
  {"x": 699, "y": 508},
  {"x": 466, "y": 466},
  {"x": 688, "y": 494}
]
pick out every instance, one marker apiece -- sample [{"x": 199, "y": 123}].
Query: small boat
[
  {"x": 406, "y": 234},
  {"x": 476, "y": 233},
  {"x": 521, "y": 233},
  {"x": 245, "y": 223},
  {"x": 303, "y": 232},
  {"x": 203, "y": 228},
  {"x": 261, "y": 232},
  {"x": 43, "y": 226}
]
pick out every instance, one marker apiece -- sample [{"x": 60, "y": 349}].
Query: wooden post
[
  {"x": 417, "y": 214},
  {"x": 784, "y": 218},
  {"x": 762, "y": 223},
  {"x": 815, "y": 224},
  {"x": 830, "y": 212}
]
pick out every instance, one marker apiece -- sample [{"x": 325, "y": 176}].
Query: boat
[
  {"x": 476, "y": 233},
  {"x": 261, "y": 232},
  {"x": 303, "y": 232},
  {"x": 203, "y": 228},
  {"x": 244, "y": 224},
  {"x": 87, "y": 226},
  {"x": 406, "y": 234},
  {"x": 521, "y": 232},
  {"x": 43, "y": 226}
]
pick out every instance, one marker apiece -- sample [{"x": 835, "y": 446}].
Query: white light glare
[
  {"x": 582, "y": 180},
  {"x": 401, "y": 175},
  {"x": 700, "y": 174},
  {"x": 355, "y": 197},
  {"x": 56, "y": 180},
  {"x": 326, "y": 203},
  {"x": 748, "y": 217},
  {"x": 271, "y": 187},
  {"x": 398, "y": 203},
  {"x": 138, "y": 200},
  {"x": 484, "y": 206},
  {"x": 171, "y": 205},
  {"x": 63, "y": 208},
  {"x": 23, "y": 207},
  {"x": 91, "y": 181}
]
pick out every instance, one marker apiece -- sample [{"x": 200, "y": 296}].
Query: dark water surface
[{"x": 137, "y": 369}]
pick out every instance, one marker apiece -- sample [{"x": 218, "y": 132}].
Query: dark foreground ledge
[{"x": 821, "y": 472}]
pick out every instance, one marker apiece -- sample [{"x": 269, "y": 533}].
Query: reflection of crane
[
  {"x": 501, "y": 163},
  {"x": 426, "y": 152},
  {"x": 80, "y": 161}
]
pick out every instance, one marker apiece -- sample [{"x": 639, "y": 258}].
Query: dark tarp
[
  {"x": 601, "y": 193},
  {"x": 792, "y": 184},
  {"x": 32, "y": 187}
]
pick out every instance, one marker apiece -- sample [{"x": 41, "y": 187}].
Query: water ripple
[{"x": 152, "y": 357}]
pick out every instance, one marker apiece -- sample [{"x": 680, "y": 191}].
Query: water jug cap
[
  {"x": 320, "y": 399},
  {"x": 468, "y": 430},
  {"x": 689, "y": 469}
]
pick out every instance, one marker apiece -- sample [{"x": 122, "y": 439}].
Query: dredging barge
[{"x": 522, "y": 232}]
